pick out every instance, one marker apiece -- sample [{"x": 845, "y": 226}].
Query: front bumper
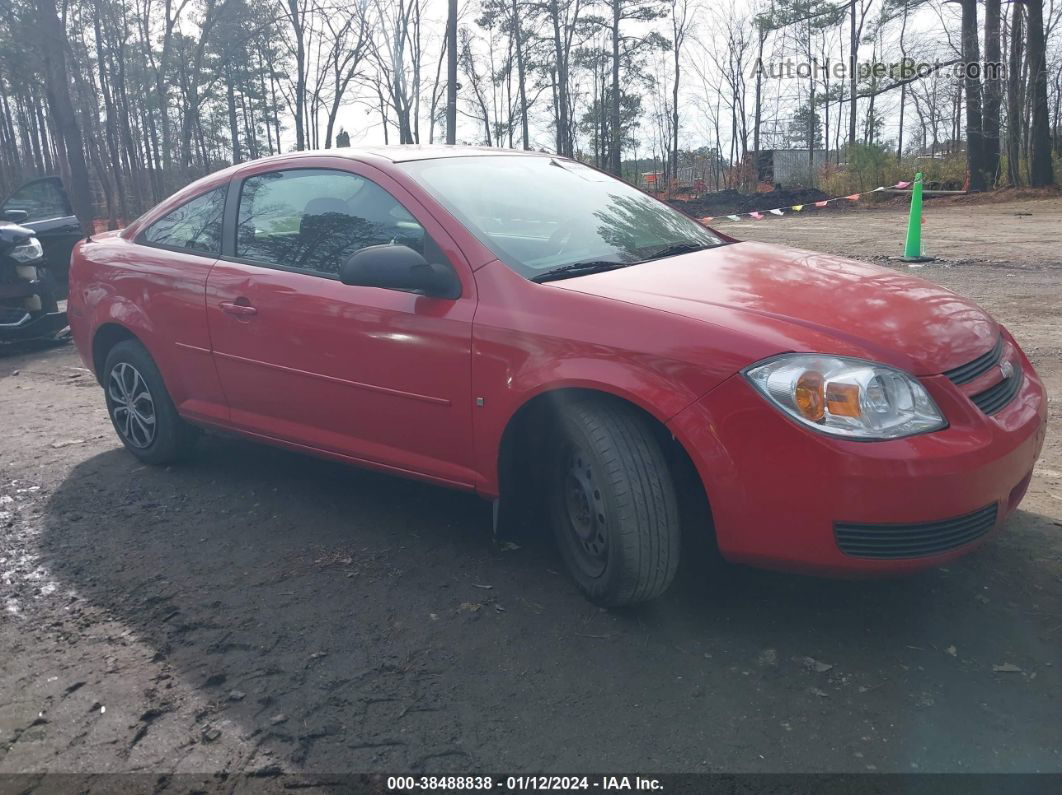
[
  {"x": 778, "y": 490},
  {"x": 33, "y": 325},
  {"x": 29, "y": 309}
]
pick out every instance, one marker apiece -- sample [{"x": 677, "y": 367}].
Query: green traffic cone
[{"x": 912, "y": 251}]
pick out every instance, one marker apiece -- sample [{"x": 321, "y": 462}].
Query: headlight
[
  {"x": 27, "y": 251},
  {"x": 847, "y": 397}
]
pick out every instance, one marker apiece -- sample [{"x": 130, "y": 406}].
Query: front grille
[
  {"x": 918, "y": 540},
  {"x": 964, "y": 374},
  {"x": 996, "y": 397}
]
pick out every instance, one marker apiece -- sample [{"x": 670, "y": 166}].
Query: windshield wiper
[
  {"x": 674, "y": 249},
  {"x": 579, "y": 269}
]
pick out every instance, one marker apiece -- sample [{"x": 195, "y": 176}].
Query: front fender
[
  {"x": 529, "y": 339},
  {"x": 653, "y": 386}
]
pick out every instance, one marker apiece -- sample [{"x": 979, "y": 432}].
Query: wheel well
[
  {"x": 107, "y": 336},
  {"x": 523, "y": 447}
]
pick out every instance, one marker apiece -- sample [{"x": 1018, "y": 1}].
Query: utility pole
[{"x": 451, "y": 74}]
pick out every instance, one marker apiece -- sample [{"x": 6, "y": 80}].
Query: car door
[
  {"x": 375, "y": 375},
  {"x": 169, "y": 260},
  {"x": 43, "y": 206}
]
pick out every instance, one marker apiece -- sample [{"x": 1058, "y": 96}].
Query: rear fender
[{"x": 113, "y": 309}]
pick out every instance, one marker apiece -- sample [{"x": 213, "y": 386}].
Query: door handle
[{"x": 240, "y": 310}]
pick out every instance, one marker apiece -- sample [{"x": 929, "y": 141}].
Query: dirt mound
[{"x": 726, "y": 202}]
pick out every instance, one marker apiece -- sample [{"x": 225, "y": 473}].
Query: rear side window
[
  {"x": 314, "y": 219},
  {"x": 195, "y": 226}
]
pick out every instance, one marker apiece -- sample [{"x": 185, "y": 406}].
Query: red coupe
[{"x": 528, "y": 328}]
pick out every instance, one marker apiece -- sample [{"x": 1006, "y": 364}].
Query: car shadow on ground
[
  {"x": 13, "y": 350},
  {"x": 369, "y": 623}
]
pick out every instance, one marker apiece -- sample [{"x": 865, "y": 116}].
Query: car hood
[{"x": 793, "y": 300}]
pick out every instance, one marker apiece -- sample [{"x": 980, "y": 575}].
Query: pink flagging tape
[{"x": 759, "y": 215}]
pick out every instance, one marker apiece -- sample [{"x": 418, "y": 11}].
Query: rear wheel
[
  {"x": 141, "y": 409},
  {"x": 612, "y": 504}
]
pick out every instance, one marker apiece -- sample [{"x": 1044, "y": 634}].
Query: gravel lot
[{"x": 256, "y": 610}]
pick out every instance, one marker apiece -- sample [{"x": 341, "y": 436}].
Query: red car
[{"x": 528, "y": 328}]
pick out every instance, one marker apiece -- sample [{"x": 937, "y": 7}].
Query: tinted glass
[
  {"x": 194, "y": 226},
  {"x": 314, "y": 219},
  {"x": 42, "y": 200},
  {"x": 540, "y": 213}
]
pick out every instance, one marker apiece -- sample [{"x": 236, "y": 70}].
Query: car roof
[
  {"x": 407, "y": 152},
  {"x": 403, "y": 153}
]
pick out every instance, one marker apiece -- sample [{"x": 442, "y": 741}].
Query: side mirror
[
  {"x": 395, "y": 267},
  {"x": 16, "y": 216}
]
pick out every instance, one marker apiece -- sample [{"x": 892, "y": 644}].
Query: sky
[{"x": 925, "y": 34}]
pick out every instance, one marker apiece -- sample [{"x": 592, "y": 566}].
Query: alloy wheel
[{"x": 132, "y": 406}]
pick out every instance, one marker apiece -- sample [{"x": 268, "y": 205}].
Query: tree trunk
[
  {"x": 757, "y": 110},
  {"x": 615, "y": 155},
  {"x": 564, "y": 146},
  {"x": 1041, "y": 171},
  {"x": 674, "y": 106},
  {"x": 853, "y": 83},
  {"x": 975, "y": 149},
  {"x": 993, "y": 91},
  {"x": 811, "y": 115},
  {"x": 111, "y": 116},
  {"x": 52, "y": 51},
  {"x": 521, "y": 77},
  {"x": 300, "y": 75},
  {"x": 234, "y": 123},
  {"x": 451, "y": 73},
  {"x": 903, "y": 88}
]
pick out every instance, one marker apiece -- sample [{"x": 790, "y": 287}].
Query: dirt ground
[{"x": 256, "y": 610}]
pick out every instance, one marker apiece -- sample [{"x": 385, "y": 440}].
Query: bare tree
[
  {"x": 396, "y": 48},
  {"x": 680, "y": 29},
  {"x": 347, "y": 49}
]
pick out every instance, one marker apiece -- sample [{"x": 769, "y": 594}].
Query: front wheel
[
  {"x": 141, "y": 409},
  {"x": 612, "y": 504}
]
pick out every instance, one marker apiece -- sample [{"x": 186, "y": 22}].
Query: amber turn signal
[
  {"x": 843, "y": 399},
  {"x": 809, "y": 395}
]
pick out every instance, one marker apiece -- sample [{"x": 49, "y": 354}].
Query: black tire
[
  {"x": 130, "y": 370},
  {"x": 612, "y": 503}
]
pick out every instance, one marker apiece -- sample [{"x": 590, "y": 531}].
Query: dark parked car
[
  {"x": 43, "y": 206},
  {"x": 38, "y": 229},
  {"x": 29, "y": 303}
]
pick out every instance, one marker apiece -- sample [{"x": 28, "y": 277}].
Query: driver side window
[
  {"x": 41, "y": 200},
  {"x": 314, "y": 219}
]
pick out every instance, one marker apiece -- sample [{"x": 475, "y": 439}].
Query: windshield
[{"x": 540, "y": 214}]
